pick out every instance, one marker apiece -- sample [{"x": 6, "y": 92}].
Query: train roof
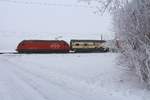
[
  {"x": 88, "y": 41},
  {"x": 43, "y": 41}
]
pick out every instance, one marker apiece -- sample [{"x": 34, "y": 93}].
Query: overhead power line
[
  {"x": 46, "y": 4},
  {"x": 31, "y": 32}
]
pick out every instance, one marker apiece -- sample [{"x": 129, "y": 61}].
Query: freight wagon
[
  {"x": 43, "y": 46},
  {"x": 88, "y": 46}
]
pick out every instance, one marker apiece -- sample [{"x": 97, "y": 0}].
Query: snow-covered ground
[{"x": 94, "y": 76}]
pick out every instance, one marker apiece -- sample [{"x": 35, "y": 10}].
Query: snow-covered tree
[
  {"x": 132, "y": 25},
  {"x": 132, "y": 28},
  {"x": 107, "y": 5}
]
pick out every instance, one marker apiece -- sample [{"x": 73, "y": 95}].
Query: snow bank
[{"x": 93, "y": 76}]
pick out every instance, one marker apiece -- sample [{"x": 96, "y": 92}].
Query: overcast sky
[{"x": 19, "y": 17}]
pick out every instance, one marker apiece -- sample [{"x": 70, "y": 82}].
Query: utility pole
[{"x": 101, "y": 37}]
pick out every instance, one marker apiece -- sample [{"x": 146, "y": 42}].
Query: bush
[{"x": 132, "y": 25}]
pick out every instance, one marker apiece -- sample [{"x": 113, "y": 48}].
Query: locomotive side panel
[{"x": 43, "y": 46}]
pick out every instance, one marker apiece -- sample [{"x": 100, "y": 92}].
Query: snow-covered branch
[
  {"x": 132, "y": 25},
  {"x": 132, "y": 28}
]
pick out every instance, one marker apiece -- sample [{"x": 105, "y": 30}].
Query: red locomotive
[{"x": 43, "y": 46}]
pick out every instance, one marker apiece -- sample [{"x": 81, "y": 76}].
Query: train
[
  {"x": 61, "y": 46},
  {"x": 88, "y": 46},
  {"x": 43, "y": 46}
]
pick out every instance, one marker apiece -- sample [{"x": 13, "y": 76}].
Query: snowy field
[{"x": 94, "y": 76}]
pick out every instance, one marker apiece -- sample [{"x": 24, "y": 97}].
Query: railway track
[
  {"x": 50, "y": 53},
  {"x": 9, "y": 53}
]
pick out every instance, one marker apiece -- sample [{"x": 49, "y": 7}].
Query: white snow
[
  {"x": 93, "y": 76},
  {"x": 89, "y": 76}
]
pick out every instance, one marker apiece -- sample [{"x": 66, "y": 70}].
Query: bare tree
[{"x": 107, "y": 5}]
